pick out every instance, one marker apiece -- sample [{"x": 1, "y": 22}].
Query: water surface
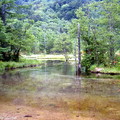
[{"x": 55, "y": 86}]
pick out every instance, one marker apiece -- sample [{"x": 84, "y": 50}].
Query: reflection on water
[{"x": 55, "y": 86}]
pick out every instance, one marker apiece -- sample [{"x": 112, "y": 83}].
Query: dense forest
[
  {"x": 50, "y": 27},
  {"x": 59, "y": 59}
]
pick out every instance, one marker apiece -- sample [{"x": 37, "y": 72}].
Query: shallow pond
[{"x": 54, "y": 86}]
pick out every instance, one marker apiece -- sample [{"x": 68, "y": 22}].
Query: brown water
[{"x": 55, "y": 87}]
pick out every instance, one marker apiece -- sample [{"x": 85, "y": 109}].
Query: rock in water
[{"x": 28, "y": 116}]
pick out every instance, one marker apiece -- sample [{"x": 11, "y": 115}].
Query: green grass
[
  {"x": 48, "y": 57},
  {"x": 21, "y": 64},
  {"x": 112, "y": 69}
]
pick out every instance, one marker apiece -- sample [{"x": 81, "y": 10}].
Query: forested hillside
[
  {"x": 66, "y": 8},
  {"x": 50, "y": 26}
]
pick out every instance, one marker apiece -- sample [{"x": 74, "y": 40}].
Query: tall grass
[{"x": 21, "y": 64}]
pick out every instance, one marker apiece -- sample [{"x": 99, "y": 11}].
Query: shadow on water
[{"x": 55, "y": 86}]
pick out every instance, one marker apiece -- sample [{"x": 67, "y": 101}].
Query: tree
[
  {"x": 15, "y": 33},
  {"x": 5, "y": 7},
  {"x": 21, "y": 38},
  {"x": 63, "y": 45},
  {"x": 109, "y": 20},
  {"x": 3, "y": 39},
  {"x": 99, "y": 31},
  {"x": 91, "y": 44}
]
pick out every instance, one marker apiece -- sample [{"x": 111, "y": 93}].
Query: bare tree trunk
[
  {"x": 75, "y": 55},
  {"x": 78, "y": 72}
]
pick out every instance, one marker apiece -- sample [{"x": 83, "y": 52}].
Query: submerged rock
[{"x": 28, "y": 116}]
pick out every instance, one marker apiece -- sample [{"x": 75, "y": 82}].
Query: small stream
[{"x": 55, "y": 86}]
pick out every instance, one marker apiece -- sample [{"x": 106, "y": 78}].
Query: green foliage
[
  {"x": 46, "y": 29},
  {"x": 41, "y": 26},
  {"x": 99, "y": 26},
  {"x": 113, "y": 69},
  {"x": 66, "y": 8},
  {"x": 21, "y": 64},
  {"x": 15, "y": 33},
  {"x": 63, "y": 44}
]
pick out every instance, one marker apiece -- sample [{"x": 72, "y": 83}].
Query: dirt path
[{"x": 12, "y": 112}]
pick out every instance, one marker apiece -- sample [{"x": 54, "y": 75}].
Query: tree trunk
[
  {"x": 16, "y": 55},
  {"x": 6, "y": 56},
  {"x": 78, "y": 72}
]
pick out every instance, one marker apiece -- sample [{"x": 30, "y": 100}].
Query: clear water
[{"x": 55, "y": 86}]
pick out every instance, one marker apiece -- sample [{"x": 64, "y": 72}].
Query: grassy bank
[
  {"x": 30, "y": 61},
  {"x": 101, "y": 68},
  {"x": 48, "y": 57},
  {"x": 21, "y": 64}
]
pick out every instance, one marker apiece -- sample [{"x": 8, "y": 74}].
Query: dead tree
[{"x": 78, "y": 71}]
